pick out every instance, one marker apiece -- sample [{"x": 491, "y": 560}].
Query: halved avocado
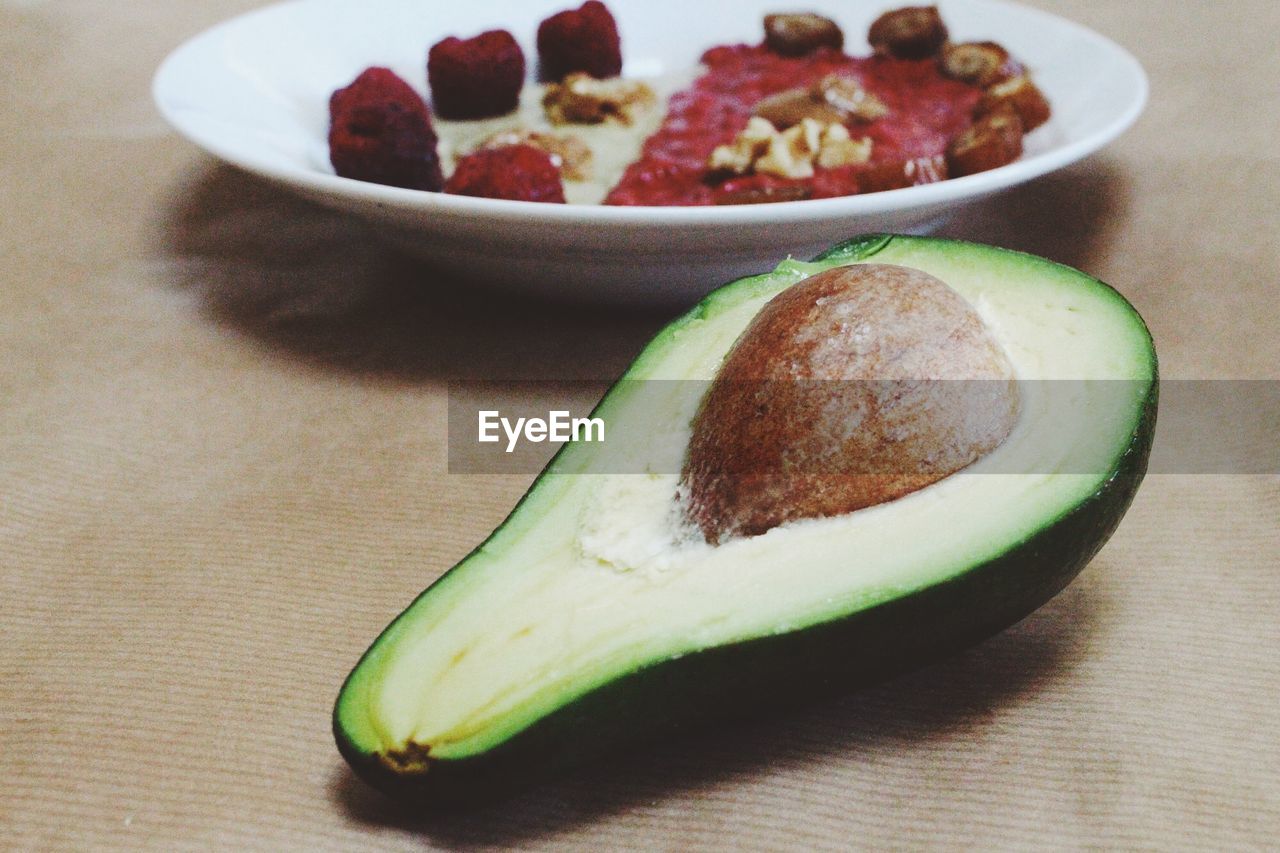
[{"x": 584, "y": 621}]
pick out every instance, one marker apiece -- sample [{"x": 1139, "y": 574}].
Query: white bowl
[{"x": 254, "y": 91}]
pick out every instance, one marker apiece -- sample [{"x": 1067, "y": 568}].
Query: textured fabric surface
[{"x": 222, "y": 470}]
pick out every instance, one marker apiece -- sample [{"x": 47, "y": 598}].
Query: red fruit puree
[{"x": 926, "y": 110}]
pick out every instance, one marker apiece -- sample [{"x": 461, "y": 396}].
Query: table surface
[{"x": 222, "y": 461}]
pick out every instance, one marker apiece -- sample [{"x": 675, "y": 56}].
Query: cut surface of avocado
[{"x": 594, "y": 615}]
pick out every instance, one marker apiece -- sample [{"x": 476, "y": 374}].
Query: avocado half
[{"x": 582, "y": 623}]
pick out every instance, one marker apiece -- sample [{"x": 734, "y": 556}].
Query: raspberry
[
  {"x": 380, "y": 131},
  {"x": 582, "y": 40},
  {"x": 477, "y": 77},
  {"x": 515, "y": 172}
]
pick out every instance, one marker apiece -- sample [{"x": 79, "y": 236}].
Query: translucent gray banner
[{"x": 1064, "y": 426}]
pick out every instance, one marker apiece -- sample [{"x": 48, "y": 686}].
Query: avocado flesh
[{"x": 592, "y": 579}]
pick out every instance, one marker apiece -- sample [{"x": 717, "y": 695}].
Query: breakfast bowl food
[{"x": 258, "y": 91}]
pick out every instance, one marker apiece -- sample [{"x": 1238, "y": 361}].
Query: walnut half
[
  {"x": 793, "y": 153},
  {"x": 582, "y": 99},
  {"x": 833, "y": 99}
]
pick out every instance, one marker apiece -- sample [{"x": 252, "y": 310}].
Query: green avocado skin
[{"x": 763, "y": 675}]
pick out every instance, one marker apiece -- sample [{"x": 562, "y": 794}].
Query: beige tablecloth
[{"x": 222, "y": 469}]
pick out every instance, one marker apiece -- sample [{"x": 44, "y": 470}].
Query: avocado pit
[{"x": 857, "y": 386}]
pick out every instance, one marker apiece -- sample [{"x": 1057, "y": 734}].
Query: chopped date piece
[
  {"x": 380, "y": 131},
  {"x": 1022, "y": 95},
  {"x": 585, "y": 39},
  {"x": 914, "y": 32},
  {"x": 757, "y": 190},
  {"x": 516, "y": 173},
  {"x": 832, "y": 100},
  {"x": 978, "y": 63},
  {"x": 789, "y": 108},
  {"x": 477, "y": 77},
  {"x": 900, "y": 174},
  {"x": 801, "y": 34},
  {"x": 993, "y": 140}
]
